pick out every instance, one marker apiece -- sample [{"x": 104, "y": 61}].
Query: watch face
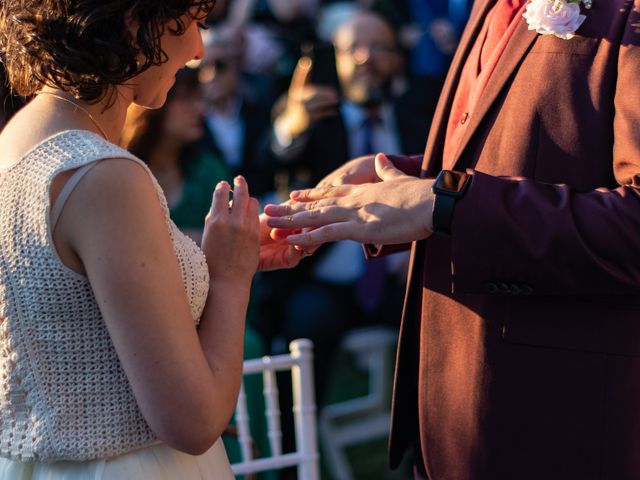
[{"x": 451, "y": 181}]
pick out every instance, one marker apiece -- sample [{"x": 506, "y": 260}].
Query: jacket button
[
  {"x": 491, "y": 288},
  {"x": 526, "y": 289}
]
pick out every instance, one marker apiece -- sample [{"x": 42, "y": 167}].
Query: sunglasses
[
  {"x": 220, "y": 66},
  {"x": 212, "y": 68}
]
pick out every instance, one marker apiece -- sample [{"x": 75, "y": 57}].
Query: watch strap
[
  {"x": 448, "y": 188},
  {"x": 443, "y": 213}
]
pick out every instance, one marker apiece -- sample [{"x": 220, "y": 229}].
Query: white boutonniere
[{"x": 556, "y": 17}]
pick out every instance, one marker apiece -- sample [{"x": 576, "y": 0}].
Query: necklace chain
[{"x": 79, "y": 107}]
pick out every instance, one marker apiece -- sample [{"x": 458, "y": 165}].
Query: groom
[{"x": 519, "y": 355}]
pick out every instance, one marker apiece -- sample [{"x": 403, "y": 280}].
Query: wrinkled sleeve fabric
[
  {"x": 553, "y": 238},
  {"x": 408, "y": 165}
]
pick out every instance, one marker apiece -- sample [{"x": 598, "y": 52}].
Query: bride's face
[{"x": 150, "y": 88}]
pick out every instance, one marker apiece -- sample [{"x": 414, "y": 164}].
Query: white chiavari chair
[{"x": 306, "y": 458}]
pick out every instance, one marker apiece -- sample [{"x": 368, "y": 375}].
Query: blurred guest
[
  {"x": 220, "y": 12},
  {"x": 167, "y": 140},
  {"x": 429, "y": 30},
  {"x": 359, "y": 113},
  {"x": 243, "y": 11},
  {"x": 332, "y": 15},
  {"x": 320, "y": 127},
  {"x": 236, "y": 117},
  {"x": 275, "y": 31}
]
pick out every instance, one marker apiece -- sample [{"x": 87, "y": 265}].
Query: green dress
[
  {"x": 201, "y": 175},
  {"x": 202, "y": 172}
]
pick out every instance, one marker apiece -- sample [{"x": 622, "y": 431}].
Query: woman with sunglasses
[
  {"x": 120, "y": 341},
  {"x": 168, "y": 140}
]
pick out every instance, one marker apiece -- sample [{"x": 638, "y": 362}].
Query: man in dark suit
[
  {"x": 237, "y": 119},
  {"x": 344, "y": 102},
  {"x": 519, "y": 351},
  {"x": 327, "y": 116}
]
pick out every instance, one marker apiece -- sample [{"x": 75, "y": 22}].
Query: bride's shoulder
[{"x": 16, "y": 139}]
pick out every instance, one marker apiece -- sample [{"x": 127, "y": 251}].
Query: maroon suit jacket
[{"x": 519, "y": 353}]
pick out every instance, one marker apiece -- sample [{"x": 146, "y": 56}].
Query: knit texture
[{"x": 63, "y": 392}]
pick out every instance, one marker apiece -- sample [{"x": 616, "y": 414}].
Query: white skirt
[{"x": 157, "y": 462}]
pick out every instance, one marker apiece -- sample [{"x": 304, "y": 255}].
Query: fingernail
[
  {"x": 237, "y": 179},
  {"x": 295, "y": 194}
]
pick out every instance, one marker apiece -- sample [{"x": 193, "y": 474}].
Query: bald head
[
  {"x": 367, "y": 56},
  {"x": 365, "y": 27}
]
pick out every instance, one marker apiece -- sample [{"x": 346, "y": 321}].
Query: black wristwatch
[{"x": 448, "y": 188}]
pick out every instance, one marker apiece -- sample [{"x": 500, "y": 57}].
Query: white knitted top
[{"x": 63, "y": 392}]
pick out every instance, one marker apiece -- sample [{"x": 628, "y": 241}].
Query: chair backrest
[{"x": 300, "y": 362}]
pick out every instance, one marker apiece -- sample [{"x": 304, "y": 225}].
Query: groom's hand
[
  {"x": 355, "y": 172},
  {"x": 393, "y": 211}
]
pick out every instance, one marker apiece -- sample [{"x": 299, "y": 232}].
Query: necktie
[
  {"x": 368, "y": 127},
  {"x": 370, "y": 287}
]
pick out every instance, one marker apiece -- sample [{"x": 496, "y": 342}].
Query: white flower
[{"x": 554, "y": 17}]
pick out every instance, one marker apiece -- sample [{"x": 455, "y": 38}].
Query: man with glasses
[
  {"x": 519, "y": 356},
  {"x": 368, "y": 108},
  {"x": 237, "y": 120},
  {"x": 323, "y": 124}
]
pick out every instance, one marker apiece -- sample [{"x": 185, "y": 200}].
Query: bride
[{"x": 120, "y": 340}]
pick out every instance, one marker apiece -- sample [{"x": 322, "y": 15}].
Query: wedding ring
[{"x": 290, "y": 218}]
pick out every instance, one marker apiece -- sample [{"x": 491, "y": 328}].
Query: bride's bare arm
[{"x": 185, "y": 380}]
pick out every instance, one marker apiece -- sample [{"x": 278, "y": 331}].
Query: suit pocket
[
  {"x": 576, "y": 46},
  {"x": 581, "y": 324}
]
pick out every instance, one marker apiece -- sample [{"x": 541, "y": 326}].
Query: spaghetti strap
[{"x": 66, "y": 192}]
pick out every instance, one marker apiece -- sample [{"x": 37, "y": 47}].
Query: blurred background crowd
[{"x": 287, "y": 91}]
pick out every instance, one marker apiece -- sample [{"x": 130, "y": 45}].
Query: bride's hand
[
  {"x": 275, "y": 252},
  {"x": 231, "y": 234}
]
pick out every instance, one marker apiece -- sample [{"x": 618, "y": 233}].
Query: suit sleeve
[
  {"x": 512, "y": 235},
  {"x": 408, "y": 165}
]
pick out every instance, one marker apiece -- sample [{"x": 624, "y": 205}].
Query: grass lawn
[{"x": 369, "y": 460}]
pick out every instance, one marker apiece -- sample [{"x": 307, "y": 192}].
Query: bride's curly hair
[{"x": 85, "y": 46}]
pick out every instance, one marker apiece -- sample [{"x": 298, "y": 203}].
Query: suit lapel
[
  {"x": 433, "y": 153},
  {"x": 512, "y": 56}
]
